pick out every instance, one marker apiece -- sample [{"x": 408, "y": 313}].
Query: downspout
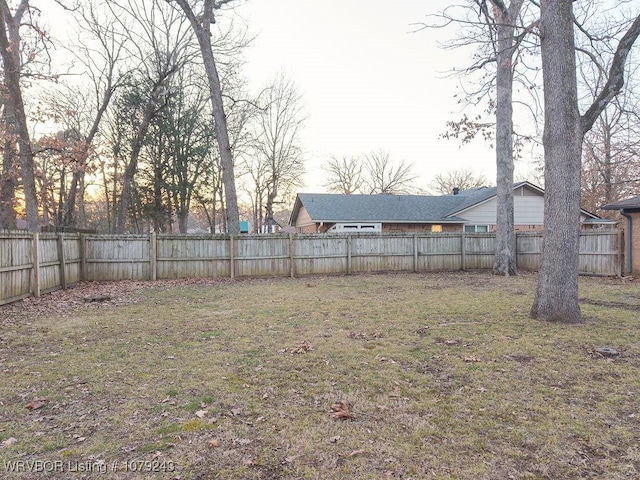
[{"x": 629, "y": 239}]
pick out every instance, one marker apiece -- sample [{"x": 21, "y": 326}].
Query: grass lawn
[{"x": 412, "y": 376}]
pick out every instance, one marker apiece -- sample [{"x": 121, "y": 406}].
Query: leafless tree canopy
[
  {"x": 373, "y": 173},
  {"x": 276, "y": 165},
  {"x": 463, "y": 179},
  {"x": 385, "y": 176},
  {"x": 345, "y": 175}
]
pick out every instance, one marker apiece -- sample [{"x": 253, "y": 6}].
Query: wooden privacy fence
[{"x": 31, "y": 264}]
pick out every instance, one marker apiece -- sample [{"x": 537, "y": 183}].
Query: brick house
[
  {"x": 630, "y": 209},
  {"x": 468, "y": 210}
]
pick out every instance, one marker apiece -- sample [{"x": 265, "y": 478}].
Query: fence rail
[{"x": 31, "y": 264}]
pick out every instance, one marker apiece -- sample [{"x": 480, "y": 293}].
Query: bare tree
[
  {"x": 100, "y": 60},
  {"x": 610, "y": 152},
  {"x": 461, "y": 179},
  {"x": 610, "y": 159},
  {"x": 383, "y": 176},
  {"x": 505, "y": 18},
  {"x": 201, "y": 25},
  {"x": 162, "y": 46},
  {"x": 345, "y": 175},
  {"x": 498, "y": 30},
  {"x": 556, "y": 296},
  {"x": 277, "y": 167}
]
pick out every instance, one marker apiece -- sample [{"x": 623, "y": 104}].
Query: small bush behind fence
[{"x": 31, "y": 264}]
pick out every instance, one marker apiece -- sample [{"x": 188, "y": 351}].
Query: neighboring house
[
  {"x": 630, "y": 209},
  {"x": 469, "y": 210}
]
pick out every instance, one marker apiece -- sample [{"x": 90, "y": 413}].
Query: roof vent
[{"x": 456, "y": 190}]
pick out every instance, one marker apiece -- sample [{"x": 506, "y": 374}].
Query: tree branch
[{"x": 616, "y": 77}]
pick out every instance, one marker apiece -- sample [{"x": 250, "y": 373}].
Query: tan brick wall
[
  {"x": 405, "y": 227},
  {"x": 527, "y": 228},
  {"x": 635, "y": 243},
  {"x": 307, "y": 228},
  {"x": 417, "y": 228}
]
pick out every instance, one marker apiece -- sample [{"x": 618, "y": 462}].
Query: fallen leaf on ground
[
  {"x": 37, "y": 403},
  {"x": 342, "y": 410},
  {"x": 242, "y": 441},
  {"x": 357, "y": 335},
  {"x": 301, "y": 348},
  {"x": 9, "y": 441},
  {"x": 201, "y": 413}
]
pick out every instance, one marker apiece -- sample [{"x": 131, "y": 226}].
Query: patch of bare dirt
[{"x": 91, "y": 295}]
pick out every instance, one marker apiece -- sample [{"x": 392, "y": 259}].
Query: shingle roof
[
  {"x": 633, "y": 202},
  {"x": 326, "y": 207}
]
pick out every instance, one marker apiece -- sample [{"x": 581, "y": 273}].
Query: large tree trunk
[
  {"x": 8, "y": 177},
  {"x": 202, "y": 27},
  {"x": 132, "y": 166},
  {"x": 557, "y": 292},
  {"x": 505, "y": 256},
  {"x": 9, "y": 50},
  {"x": 69, "y": 218}
]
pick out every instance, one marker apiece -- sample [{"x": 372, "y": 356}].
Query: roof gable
[{"x": 480, "y": 195}]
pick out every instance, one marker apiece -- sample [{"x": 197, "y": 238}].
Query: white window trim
[{"x": 485, "y": 228}]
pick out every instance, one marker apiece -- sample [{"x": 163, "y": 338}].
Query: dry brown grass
[{"x": 439, "y": 376}]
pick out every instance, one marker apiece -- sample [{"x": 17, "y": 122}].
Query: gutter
[{"x": 629, "y": 239}]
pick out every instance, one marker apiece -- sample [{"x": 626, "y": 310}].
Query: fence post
[
  {"x": 620, "y": 266},
  {"x": 153, "y": 255},
  {"x": 462, "y": 252},
  {"x": 232, "y": 265},
  {"x": 61, "y": 259},
  {"x": 35, "y": 285},
  {"x": 291, "y": 256},
  {"x": 349, "y": 255},
  {"x": 214, "y": 270},
  {"x": 415, "y": 253},
  {"x": 83, "y": 257}
]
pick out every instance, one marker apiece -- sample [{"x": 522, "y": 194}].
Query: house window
[
  {"x": 436, "y": 228},
  {"x": 476, "y": 228}
]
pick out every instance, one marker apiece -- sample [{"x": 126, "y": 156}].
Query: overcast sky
[{"x": 368, "y": 79}]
